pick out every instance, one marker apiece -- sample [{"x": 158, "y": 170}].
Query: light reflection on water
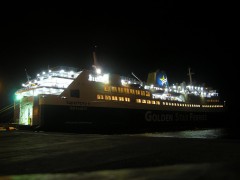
[{"x": 201, "y": 133}]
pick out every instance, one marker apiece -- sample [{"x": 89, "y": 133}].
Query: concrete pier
[{"x": 52, "y": 155}]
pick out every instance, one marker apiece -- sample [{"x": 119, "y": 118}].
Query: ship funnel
[{"x": 158, "y": 78}]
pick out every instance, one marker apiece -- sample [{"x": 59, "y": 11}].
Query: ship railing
[{"x": 38, "y": 87}]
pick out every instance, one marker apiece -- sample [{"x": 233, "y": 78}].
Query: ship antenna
[
  {"x": 136, "y": 77},
  {"x": 95, "y": 63},
  {"x": 95, "y": 57},
  {"x": 28, "y": 77},
  {"x": 190, "y": 75}
]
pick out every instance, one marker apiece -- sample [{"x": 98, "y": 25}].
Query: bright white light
[
  {"x": 122, "y": 81},
  {"x": 90, "y": 78},
  {"x": 43, "y": 72},
  {"x": 98, "y": 71},
  {"x": 99, "y": 78},
  {"x": 105, "y": 78}
]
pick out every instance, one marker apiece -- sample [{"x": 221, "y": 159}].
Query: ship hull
[{"x": 105, "y": 119}]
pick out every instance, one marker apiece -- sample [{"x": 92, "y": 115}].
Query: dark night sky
[{"x": 137, "y": 38}]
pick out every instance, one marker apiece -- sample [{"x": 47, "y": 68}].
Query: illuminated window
[
  {"x": 137, "y": 92},
  {"x": 147, "y": 93},
  {"x": 158, "y": 102},
  {"x": 115, "y": 98},
  {"x": 121, "y": 98},
  {"x": 126, "y": 90},
  {"x": 98, "y": 96},
  {"x": 138, "y": 100},
  {"x": 132, "y": 91},
  {"x": 120, "y": 90},
  {"x": 107, "y": 97},
  {"x": 107, "y": 88},
  {"x": 143, "y": 93},
  {"x": 114, "y": 89},
  {"x": 127, "y": 99},
  {"x": 164, "y": 103},
  {"x": 144, "y": 101},
  {"x": 148, "y": 102},
  {"x": 153, "y": 102}
]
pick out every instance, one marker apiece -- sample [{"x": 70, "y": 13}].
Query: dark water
[{"x": 219, "y": 133}]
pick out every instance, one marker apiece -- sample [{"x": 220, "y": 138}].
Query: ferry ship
[{"x": 65, "y": 98}]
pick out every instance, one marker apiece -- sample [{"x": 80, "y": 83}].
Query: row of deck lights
[{"x": 49, "y": 75}]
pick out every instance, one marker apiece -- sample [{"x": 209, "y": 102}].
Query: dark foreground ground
[{"x": 48, "y": 155}]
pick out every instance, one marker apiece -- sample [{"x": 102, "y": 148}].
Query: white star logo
[{"x": 164, "y": 80}]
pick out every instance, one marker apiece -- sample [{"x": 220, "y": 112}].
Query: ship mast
[
  {"x": 190, "y": 75},
  {"x": 28, "y": 77}
]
